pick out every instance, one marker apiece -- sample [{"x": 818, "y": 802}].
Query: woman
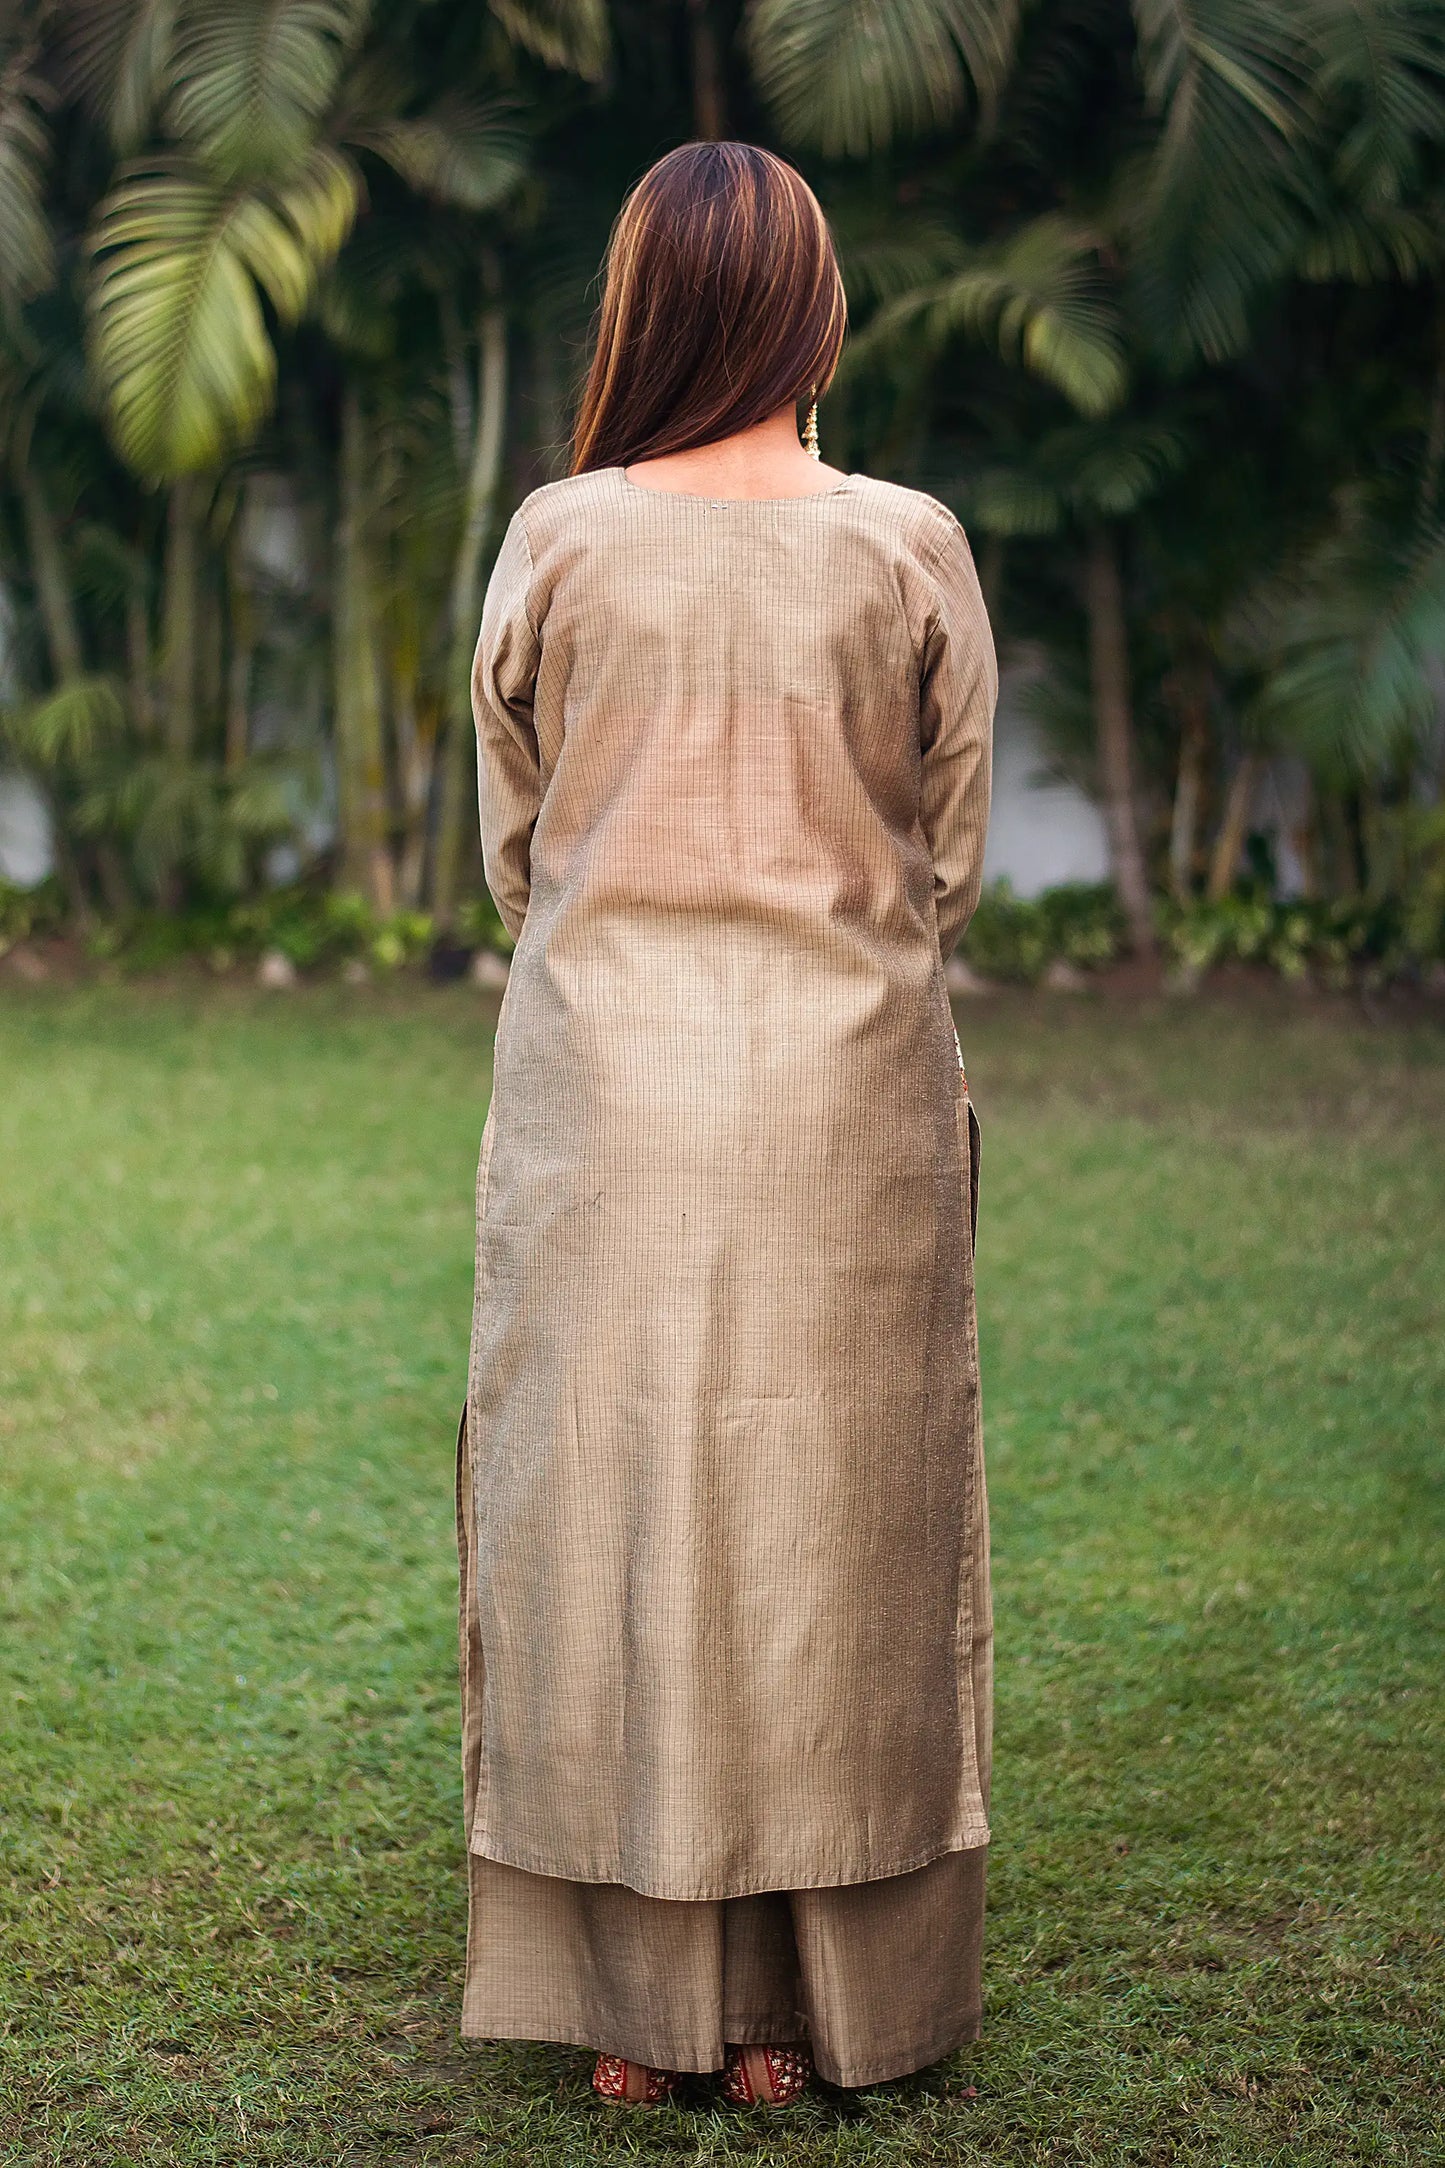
[{"x": 726, "y": 1629}]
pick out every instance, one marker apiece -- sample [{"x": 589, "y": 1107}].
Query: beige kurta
[
  {"x": 878, "y": 1977},
  {"x": 731, "y": 1548}
]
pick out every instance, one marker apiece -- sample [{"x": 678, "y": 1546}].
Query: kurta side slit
[
  {"x": 880, "y": 1978},
  {"x": 726, "y": 1625}
]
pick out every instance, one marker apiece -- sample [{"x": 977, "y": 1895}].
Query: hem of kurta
[
  {"x": 697, "y": 2061},
  {"x": 974, "y": 1837}
]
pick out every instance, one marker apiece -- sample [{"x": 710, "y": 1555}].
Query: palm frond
[
  {"x": 289, "y": 233},
  {"x": 423, "y": 488},
  {"x": 178, "y": 342},
  {"x": 1011, "y": 501},
  {"x": 104, "y": 566},
  {"x": 460, "y": 152},
  {"x": 161, "y": 805},
  {"x": 1379, "y": 65},
  {"x": 1230, "y": 184},
  {"x": 1058, "y": 700},
  {"x": 1372, "y": 244},
  {"x": 115, "y": 56},
  {"x": 1114, "y": 468},
  {"x": 1086, "y": 471},
  {"x": 183, "y": 815},
  {"x": 263, "y": 800},
  {"x": 1350, "y": 647},
  {"x": 1246, "y": 46},
  {"x": 251, "y": 78},
  {"x": 158, "y": 803},
  {"x": 886, "y": 251},
  {"x": 571, "y": 34},
  {"x": 556, "y": 276},
  {"x": 27, "y": 254},
  {"x": 353, "y": 315},
  {"x": 67, "y": 725},
  {"x": 1036, "y": 298},
  {"x": 851, "y": 75}
]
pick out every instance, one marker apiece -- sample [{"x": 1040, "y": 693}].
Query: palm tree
[
  {"x": 337, "y": 259},
  {"x": 1036, "y": 297},
  {"x": 263, "y": 120},
  {"x": 1257, "y": 142},
  {"x": 1279, "y": 127},
  {"x": 851, "y": 76},
  {"x": 1079, "y": 482},
  {"x": 1346, "y": 642}
]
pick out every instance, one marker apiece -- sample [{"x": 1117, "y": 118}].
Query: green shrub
[
  {"x": 1361, "y": 941},
  {"x": 26, "y": 912},
  {"x": 1015, "y": 939},
  {"x": 313, "y": 930},
  {"x": 479, "y": 925},
  {"x": 1084, "y": 923},
  {"x": 154, "y": 940}
]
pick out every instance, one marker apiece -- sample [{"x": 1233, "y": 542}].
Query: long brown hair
[{"x": 722, "y": 302}]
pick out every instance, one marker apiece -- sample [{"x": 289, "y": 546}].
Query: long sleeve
[
  {"x": 509, "y": 775},
  {"x": 958, "y": 689}
]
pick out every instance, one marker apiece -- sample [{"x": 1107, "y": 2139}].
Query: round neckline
[{"x": 696, "y": 496}]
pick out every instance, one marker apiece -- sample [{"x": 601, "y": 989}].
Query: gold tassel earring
[{"x": 810, "y": 430}]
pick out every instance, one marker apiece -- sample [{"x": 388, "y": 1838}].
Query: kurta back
[{"x": 731, "y": 1557}]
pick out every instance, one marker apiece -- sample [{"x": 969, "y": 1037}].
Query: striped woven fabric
[{"x": 729, "y": 1573}]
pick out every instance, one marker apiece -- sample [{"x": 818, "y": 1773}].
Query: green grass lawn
[{"x": 235, "y": 1243}]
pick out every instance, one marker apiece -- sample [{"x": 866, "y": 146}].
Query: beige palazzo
[{"x": 726, "y": 1618}]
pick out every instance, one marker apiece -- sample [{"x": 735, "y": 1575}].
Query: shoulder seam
[
  {"x": 520, "y": 520},
  {"x": 952, "y": 525},
  {"x": 928, "y": 523}
]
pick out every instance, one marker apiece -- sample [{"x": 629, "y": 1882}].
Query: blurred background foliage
[{"x": 294, "y": 298}]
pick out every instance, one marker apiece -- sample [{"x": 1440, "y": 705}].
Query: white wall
[
  {"x": 1041, "y": 831},
  {"x": 24, "y": 832}
]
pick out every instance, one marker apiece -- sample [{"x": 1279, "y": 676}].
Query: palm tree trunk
[
  {"x": 709, "y": 103},
  {"x": 211, "y": 651},
  {"x": 1232, "y": 828},
  {"x": 114, "y": 884},
  {"x": 52, "y": 583},
  {"x": 180, "y": 615},
  {"x": 1114, "y": 722},
  {"x": 1337, "y": 863},
  {"x": 241, "y": 617},
  {"x": 61, "y": 620},
  {"x": 67, "y": 865},
  {"x": 1306, "y": 842},
  {"x": 360, "y": 750},
  {"x": 1428, "y": 497},
  {"x": 457, "y": 738},
  {"x": 415, "y": 747},
  {"x": 552, "y": 420},
  {"x": 459, "y": 385},
  {"x": 140, "y": 690},
  {"x": 1188, "y": 792}
]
